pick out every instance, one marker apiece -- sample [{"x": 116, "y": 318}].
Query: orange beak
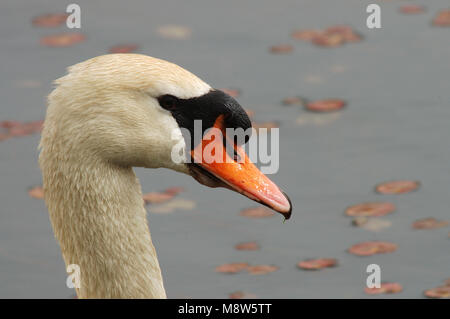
[{"x": 239, "y": 175}]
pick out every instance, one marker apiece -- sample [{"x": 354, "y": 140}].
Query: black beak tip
[{"x": 289, "y": 213}]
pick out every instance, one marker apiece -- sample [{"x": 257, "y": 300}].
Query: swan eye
[{"x": 168, "y": 102}]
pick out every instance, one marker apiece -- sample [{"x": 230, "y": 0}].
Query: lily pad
[
  {"x": 372, "y": 247},
  {"x": 386, "y": 288},
  {"x": 370, "y": 209},
  {"x": 412, "y": 9},
  {"x": 331, "y": 40},
  {"x": 257, "y": 212},
  {"x": 65, "y": 39},
  {"x": 231, "y": 92},
  {"x": 372, "y": 224},
  {"x": 429, "y": 223},
  {"x": 242, "y": 295},
  {"x": 232, "y": 268},
  {"x": 438, "y": 292},
  {"x": 247, "y": 246},
  {"x": 281, "y": 49},
  {"x": 267, "y": 125},
  {"x": 156, "y": 197},
  {"x": 307, "y": 35},
  {"x": 397, "y": 187},
  {"x": 175, "y": 32},
  {"x": 124, "y": 48},
  {"x": 261, "y": 269},
  {"x": 36, "y": 192},
  {"x": 328, "y": 105},
  {"x": 442, "y": 19},
  {"x": 294, "y": 100},
  {"x": 162, "y": 197},
  {"x": 316, "y": 264},
  {"x": 175, "y": 204},
  {"x": 50, "y": 20}
]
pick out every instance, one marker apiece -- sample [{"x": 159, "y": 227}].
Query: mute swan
[{"x": 107, "y": 115}]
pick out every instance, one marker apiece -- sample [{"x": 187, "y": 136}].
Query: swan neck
[{"x": 99, "y": 219}]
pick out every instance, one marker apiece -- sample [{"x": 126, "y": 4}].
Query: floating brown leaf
[
  {"x": 331, "y": 37},
  {"x": 250, "y": 113},
  {"x": 172, "y": 205},
  {"x": 442, "y": 19},
  {"x": 9, "y": 124},
  {"x": 360, "y": 221},
  {"x": 372, "y": 247},
  {"x": 175, "y": 190},
  {"x": 316, "y": 264},
  {"x": 329, "y": 40},
  {"x": 438, "y": 292},
  {"x": 242, "y": 295},
  {"x": 247, "y": 246},
  {"x": 232, "y": 268},
  {"x": 29, "y": 84},
  {"x": 375, "y": 224},
  {"x": 371, "y": 209},
  {"x": 123, "y": 48},
  {"x": 175, "y": 32},
  {"x": 397, "y": 187},
  {"x": 346, "y": 32},
  {"x": 429, "y": 223},
  {"x": 328, "y": 105},
  {"x": 412, "y": 9},
  {"x": 337, "y": 68},
  {"x": 156, "y": 197},
  {"x": 339, "y": 29},
  {"x": 314, "y": 78},
  {"x": 161, "y": 197},
  {"x": 281, "y": 49},
  {"x": 306, "y": 35},
  {"x": 386, "y": 288},
  {"x": 29, "y": 127},
  {"x": 353, "y": 38},
  {"x": 295, "y": 100},
  {"x": 65, "y": 39},
  {"x": 231, "y": 92},
  {"x": 257, "y": 212},
  {"x": 15, "y": 129},
  {"x": 36, "y": 192},
  {"x": 261, "y": 269},
  {"x": 266, "y": 125},
  {"x": 317, "y": 118},
  {"x": 50, "y": 20}
]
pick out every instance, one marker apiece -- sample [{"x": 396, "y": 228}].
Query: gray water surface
[{"x": 396, "y": 126}]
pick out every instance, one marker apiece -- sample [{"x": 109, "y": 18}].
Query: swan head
[{"x": 132, "y": 110}]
